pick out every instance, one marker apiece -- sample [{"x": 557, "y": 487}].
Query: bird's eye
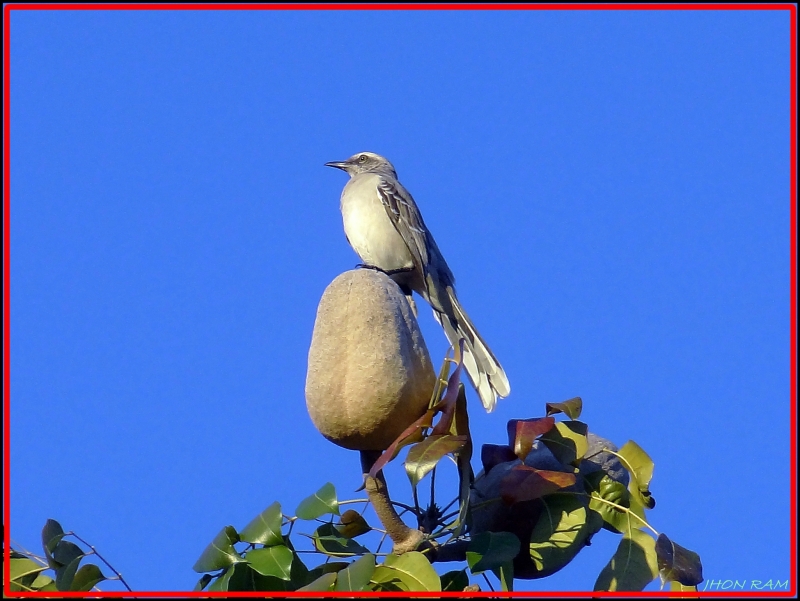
[{"x": 362, "y": 158}]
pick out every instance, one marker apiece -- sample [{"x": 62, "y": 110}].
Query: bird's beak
[{"x": 338, "y": 164}]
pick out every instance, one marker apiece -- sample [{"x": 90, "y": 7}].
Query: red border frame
[{"x": 792, "y": 8}]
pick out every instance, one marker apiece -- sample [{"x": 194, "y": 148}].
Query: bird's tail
[{"x": 484, "y": 370}]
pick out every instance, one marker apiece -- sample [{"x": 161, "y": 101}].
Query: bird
[{"x": 385, "y": 228}]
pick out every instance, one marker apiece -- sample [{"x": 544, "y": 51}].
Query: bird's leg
[
  {"x": 401, "y": 270},
  {"x": 372, "y": 267},
  {"x": 389, "y": 272}
]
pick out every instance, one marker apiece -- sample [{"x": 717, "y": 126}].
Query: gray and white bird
[{"x": 385, "y": 228}]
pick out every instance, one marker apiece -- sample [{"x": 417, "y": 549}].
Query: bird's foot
[
  {"x": 372, "y": 267},
  {"x": 389, "y": 272}
]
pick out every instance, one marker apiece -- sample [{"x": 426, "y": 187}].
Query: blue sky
[{"x": 610, "y": 188}]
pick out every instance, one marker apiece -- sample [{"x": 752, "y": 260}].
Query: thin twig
[
  {"x": 404, "y": 506},
  {"x": 440, "y": 534},
  {"x": 433, "y": 480},
  {"x": 444, "y": 518},
  {"x": 103, "y": 559},
  {"x": 487, "y": 581},
  {"x": 41, "y": 560},
  {"x": 337, "y": 555},
  {"x": 380, "y": 544}
]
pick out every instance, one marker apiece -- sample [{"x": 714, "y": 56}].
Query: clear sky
[{"x": 610, "y": 188}]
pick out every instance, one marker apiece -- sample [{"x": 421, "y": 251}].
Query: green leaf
[
  {"x": 245, "y": 578},
  {"x": 393, "y": 585},
  {"x": 203, "y": 582},
  {"x": 52, "y": 533},
  {"x": 85, "y": 578},
  {"x": 265, "y": 528},
  {"x": 606, "y": 488},
  {"x": 522, "y": 433},
  {"x": 572, "y": 407},
  {"x": 271, "y": 561},
  {"x": 66, "y": 573},
  {"x": 328, "y": 540},
  {"x": 460, "y": 427},
  {"x": 640, "y": 467},
  {"x": 410, "y": 572},
  {"x": 490, "y": 550},
  {"x": 632, "y": 567},
  {"x": 505, "y": 574},
  {"x": 323, "y": 583},
  {"x": 637, "y": 462},
  {"x": 220, "y": 552},
  {"x": 326, "y": 568},
  {"x": 321, "y": 502},
  {"x": 357, "y": 575},
  {"x": 457, "y": 580},
  {"x": 67, "y": 556},
  {"x": 567, "y": 441},
  {"x": 674, "y": 585},
  {"x": 221, "y": 582},
  {"x": 298, "y": 571},
  {"x": 564, "y": 527},
  {"x": 450, "y": 397},
  {"x": 23, "y": 567},
  {"x": 43, "y": 582},
  {"x": 424, "y": 456},
  {"x": 66, "y": 552},
  {"x": 678, "y": 564},
  {"x": 524, "y": 483},
  {"x": 32, "y": 582},
  {"x": 352, "y": 524},
  {"x": 241, "y": 577}
]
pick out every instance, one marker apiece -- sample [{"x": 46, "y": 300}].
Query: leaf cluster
[
  {"x": 550, "y": 489},
  {"x": 262, "y": 557},
  {"x": 59, "y": 569},
  {"x": 559, "y": 485},
  {"x": 539, "y": 500}
]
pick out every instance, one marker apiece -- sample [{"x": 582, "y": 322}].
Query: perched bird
[{"x": 385, "y": 228}]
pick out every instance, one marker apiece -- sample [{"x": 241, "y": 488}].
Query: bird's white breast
[{"x": 368, "y": 227}]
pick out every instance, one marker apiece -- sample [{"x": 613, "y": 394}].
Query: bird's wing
[{"x": 405, "y": 217}]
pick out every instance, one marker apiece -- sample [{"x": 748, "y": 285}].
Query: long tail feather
[{"x": 484, "y": 370}]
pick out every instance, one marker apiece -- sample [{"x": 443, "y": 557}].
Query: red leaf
[
  {"x": 405, "y": 438},
  {"x": 522, "y": 433},
  {"x": 525, "y": 483}
]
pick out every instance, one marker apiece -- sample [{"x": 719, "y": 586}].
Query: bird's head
[{"x": 365, "y": 162}]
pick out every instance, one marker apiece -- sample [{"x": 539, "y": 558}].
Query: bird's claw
[{"x": 388, "y": 272}]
